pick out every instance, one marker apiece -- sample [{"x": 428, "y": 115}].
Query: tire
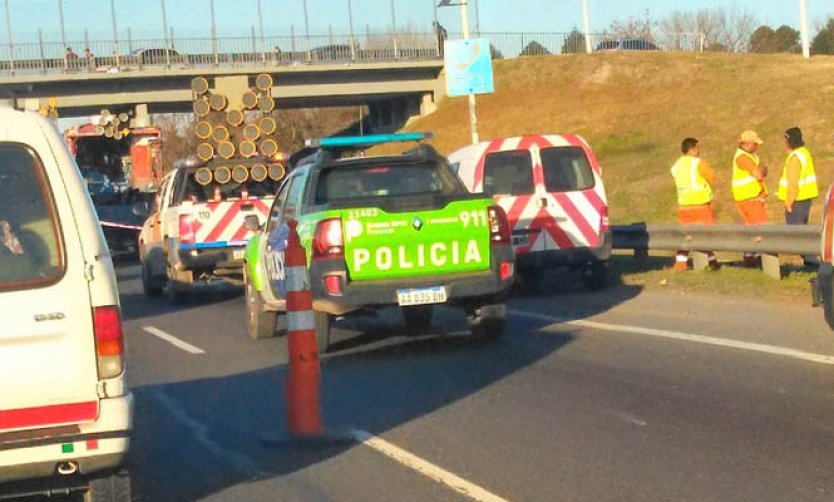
[
  {"x": 178, "y": 287},
  {"x": 152, "y": 286},
  {"x": 595, "y": 276},
  {"x": 826, "y": 291},
  {"x": 323, "y": 321},
  {"x": 261, "y": 323},
  {"x": 532, "y": 279},
  {"x": 112, "y": 488},
  {"x": 417, "y": 317},
  {"x": 488, "y": 322}
]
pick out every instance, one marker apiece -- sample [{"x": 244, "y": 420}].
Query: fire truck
[{"x": 121, "y": 166}]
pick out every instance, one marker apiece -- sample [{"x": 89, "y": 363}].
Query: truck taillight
[
  {"x": 327, "y": 240},
  {"x": 603, "y": 220},
  {"x": 499, "y": 228},
  {"x": 187, "y": 229},
  {"x": 107, "y": 325}
]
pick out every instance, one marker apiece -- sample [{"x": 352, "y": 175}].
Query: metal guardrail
[{"x": 769, "y": 239}]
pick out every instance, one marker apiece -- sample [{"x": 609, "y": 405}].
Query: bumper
[
  {"x": 566, "y": 257},
  {"x": 209, "y": 258},
  {"x": 469, "y": 289},
  {"x": 93, "y": 446}
]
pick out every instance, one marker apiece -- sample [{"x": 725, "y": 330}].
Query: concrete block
[
  {"x": 700, "y": 260},
  {"x": 770, "y": 266}
]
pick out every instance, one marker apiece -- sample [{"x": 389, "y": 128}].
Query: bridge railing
[
  {"x": 137, "y": 54},
  {"x": 538, "y": 44}
]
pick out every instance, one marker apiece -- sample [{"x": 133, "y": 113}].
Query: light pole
[
  {"x": 803, "y": 22},
  {"x": 587, "y": 25},
  {"x": 261, "y": 30},
  {"x": 9, "y": 33},
  {"x": 307, "y": 31},
  {"x": 115, "y": 32},
  {"x": 61, "y": 19},
  {"x": 394, "y": 30},
  {"x": 350, "y": 30},
  {"x": 213, "y": 33},
  {"x": 165, "y": 34},
  {"x": 473, "y": 115}
]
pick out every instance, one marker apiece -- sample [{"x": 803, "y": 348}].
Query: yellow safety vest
[
  {"x": 693, "y": 189},
  {"x": 808, "y": 188},
  {"x": 745, "y": 185}
]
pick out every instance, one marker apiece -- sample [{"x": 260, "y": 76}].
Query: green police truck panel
[{"x": 383, "y": 245}]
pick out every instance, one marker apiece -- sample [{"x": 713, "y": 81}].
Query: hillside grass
[{"x": 635, "y": 108}]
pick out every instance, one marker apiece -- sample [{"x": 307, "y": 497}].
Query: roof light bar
[{"x": 364, "y": 141}]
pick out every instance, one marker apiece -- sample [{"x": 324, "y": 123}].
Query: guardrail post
[
  {"x": 770, "y": 266},
  {"x": 700, "y": 260}
]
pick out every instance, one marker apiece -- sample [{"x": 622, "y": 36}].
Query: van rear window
[
  {"x": 508, "y": 173},
  {"x": 30, "y": 248},
  {"x": 566, "y": 169}
]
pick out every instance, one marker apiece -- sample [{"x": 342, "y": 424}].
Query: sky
[{"x": 190, "y": 18}]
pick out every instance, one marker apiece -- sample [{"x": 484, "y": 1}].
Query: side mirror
[
  {"x": 252, "y": 222},
  {"x": 141, "y": 209}
]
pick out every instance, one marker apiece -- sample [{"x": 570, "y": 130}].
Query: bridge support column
[
  {"x": 141, "y": 117},
  {"x": 427, "y": 105}
]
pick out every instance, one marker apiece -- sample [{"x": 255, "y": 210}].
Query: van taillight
[
  {"x": 499, "y": 229},
  {"x": 107, "y": 325},
  {"x": 186, "y": 229},
  {"x": 327, "y": 240}
]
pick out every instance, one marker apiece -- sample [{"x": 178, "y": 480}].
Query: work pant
[
  {"x": 754, "y": 213},
  {"x": 695, "y": 215},
  {"x": 799, "y": 216}
]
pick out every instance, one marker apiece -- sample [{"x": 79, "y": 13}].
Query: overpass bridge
[{"x": 395, "y": 82}]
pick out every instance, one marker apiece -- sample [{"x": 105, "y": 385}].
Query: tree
[
  {"x": 823, "y": 42},
  {"x": 631, "y": 27},
  {"x": 761, "y": 41},
  {"x": 574, "y": 43},
  {"x": 494, "y": 53},
  {"x": 786, "y": 39},
  {"x": 534, "y": 49},
  {"x": 728, "y": 32}
]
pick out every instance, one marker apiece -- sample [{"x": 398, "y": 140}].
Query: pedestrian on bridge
[
  {"x": 749, "y": 190},
  {"x": 693, "y": 179},
  {"x": 798, "y": 186}
]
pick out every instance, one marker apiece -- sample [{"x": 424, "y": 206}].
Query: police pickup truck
[
  {"x": 381, "y": 231},
  {"x": 196, "y": 229}
]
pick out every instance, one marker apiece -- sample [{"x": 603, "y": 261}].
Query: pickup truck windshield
[{"x": 383, "y": 180}]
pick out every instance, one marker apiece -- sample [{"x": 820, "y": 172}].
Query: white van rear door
[{"x": 48, "y": 367}]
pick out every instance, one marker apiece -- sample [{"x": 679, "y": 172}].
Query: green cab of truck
[{"x": 381, "y": 231}]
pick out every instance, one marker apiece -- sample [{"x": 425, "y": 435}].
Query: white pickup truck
[{"x": 196, "y": 229}]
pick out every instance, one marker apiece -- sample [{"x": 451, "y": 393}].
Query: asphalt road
[{"x": 620, "y": 395}]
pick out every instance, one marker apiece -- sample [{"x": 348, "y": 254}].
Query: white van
[
  {"x": 550, "y": 186},
  {"x": 65, "y": 408}
]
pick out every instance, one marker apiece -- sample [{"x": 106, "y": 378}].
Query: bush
[
  {"x": 534, "y": 49},
  {"x": 574, "y": 43},
  {"x": 823, "y": 43}
]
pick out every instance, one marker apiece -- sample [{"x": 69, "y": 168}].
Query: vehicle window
[
  {"x": 566, "y": 169},
  {"x": 278, "y": 206},
  {"x": 31, "y": 252},
  {"x": 383, "y": 180},
  {"x": 293, "y": 198},
  {"x": 508, "y": 173}
]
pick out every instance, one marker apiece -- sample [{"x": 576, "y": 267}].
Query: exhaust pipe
[{"x": 67, "y": 468}]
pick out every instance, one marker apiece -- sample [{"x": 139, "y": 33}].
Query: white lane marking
[
  {"x": 675, "y": 335},
  {"x": 176, "y": 342},
  {"x": 237, "y": 460},
  {"x": 426, "y": 468}
]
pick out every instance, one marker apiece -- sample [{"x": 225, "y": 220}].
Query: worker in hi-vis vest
[
  {"x": 693, "y": 179},
  {"x": 798, "y": 185},
  {"x": 749, "y": 190}
]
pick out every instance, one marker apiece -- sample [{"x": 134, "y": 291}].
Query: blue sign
[{"x": 468, "y": 67}]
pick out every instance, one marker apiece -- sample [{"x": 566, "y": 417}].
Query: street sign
[{"x": 468, "y": 67}]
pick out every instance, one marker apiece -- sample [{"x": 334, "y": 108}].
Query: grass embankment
[{"x": 635, "y": 109}]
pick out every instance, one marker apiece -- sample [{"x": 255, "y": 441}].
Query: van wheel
[
  {"x": 595, "y": 276},
  {"x": 152, "y": 286},
  {"x": 532, "y": 279},
  {"x": 323, "y": 321},
  {"x": 261, "y": 323},
  {"x": 179, "y": 285},
  {"x": 417, "y": 317},
  {"x": 113, "y": 488},
  {"x": 826, "y": 291},
  {"x": 488, "y": 322}
]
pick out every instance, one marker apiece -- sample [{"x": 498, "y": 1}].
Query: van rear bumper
[
  {"x": 95, "y": 446},
  {"x": 575, "y": 257}
]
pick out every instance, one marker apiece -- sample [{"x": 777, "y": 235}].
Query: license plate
[
  {"x": 421, "y": 296},
  {"x": 238, "y": 254}
]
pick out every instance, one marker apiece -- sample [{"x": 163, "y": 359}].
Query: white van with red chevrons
[
  {"x": 65, "y": 408},
  {"x": 551, "y": 189}
]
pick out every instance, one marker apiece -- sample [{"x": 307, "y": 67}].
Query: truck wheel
[
  {"x": 488, "y": 322},
  {"x": 595, "y": 276},
  {"x": 113, "y": 488},
  {"x": 179, "y": 284},
  {"x": 417, "y": 317},
  {"x": 323, "y": 321},
  {"x": 532, "y": 279},
  {"x": 261, "y": 323},
  {"x": 152, "y": 286}
]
